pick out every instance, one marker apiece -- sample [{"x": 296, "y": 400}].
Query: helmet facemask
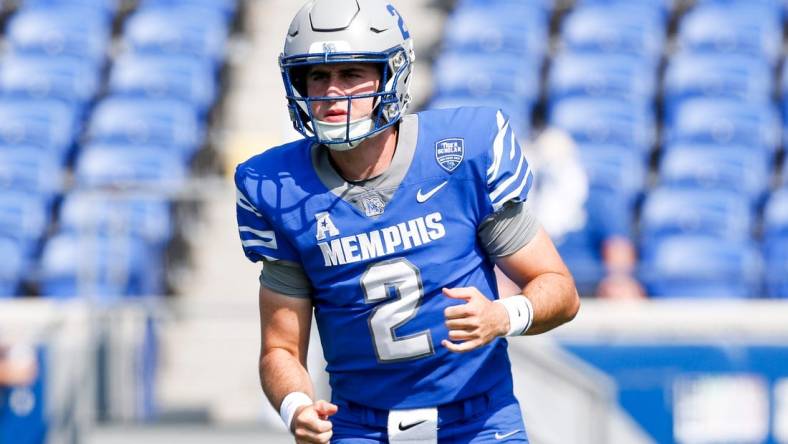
[{"x": 389, "y": 102}]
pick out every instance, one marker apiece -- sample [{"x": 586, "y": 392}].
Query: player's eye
[
  {"x": 352, "y": 74},
  {"x": 317, "y": 76}
]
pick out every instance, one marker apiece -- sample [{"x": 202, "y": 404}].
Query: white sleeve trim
[
  {"x": 500, "y": 202},
  {"x": 503, "y": 126},
  {"x": 258, "y": 233},
  {"x": 265, "y": 238},
  {"x": 260, "y": 243},
  {"x": 243, "y": 203},
  {"x": 505, "y": 184}
]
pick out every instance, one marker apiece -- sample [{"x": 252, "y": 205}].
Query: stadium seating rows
[
  {"x": 132, "y": 132},
  {"x": 709, "y": 128}
]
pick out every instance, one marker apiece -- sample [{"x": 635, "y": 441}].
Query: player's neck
[{"x": 370, "y": 159}]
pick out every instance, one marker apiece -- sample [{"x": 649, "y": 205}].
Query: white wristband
[
  {"x": 521, "y": 314},
  {"x": 290, "y": 404}
]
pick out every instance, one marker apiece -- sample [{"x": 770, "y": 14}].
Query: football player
[{"x": 388, "y": 226}]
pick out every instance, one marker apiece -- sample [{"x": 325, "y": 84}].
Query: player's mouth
[{"x": 335, "y": 116}]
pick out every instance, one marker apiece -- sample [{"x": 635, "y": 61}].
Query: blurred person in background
[
  {"x": 388, "y": 226},
  {"x": 17, "y": 366},
  {"x": 581, "y": 225}
]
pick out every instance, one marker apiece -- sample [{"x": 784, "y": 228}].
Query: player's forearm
[
  {"x": 554, "y": 299},
  {"x": 282, "y": 373}
]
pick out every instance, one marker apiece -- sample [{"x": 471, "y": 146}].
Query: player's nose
[{"x": 334, "y": 88}]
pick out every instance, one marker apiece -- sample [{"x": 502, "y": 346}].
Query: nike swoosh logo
[
  {"x": 411, "y": 425},
  {"x": 421, "y": 198},
  {"x": 499, "y": 437}
]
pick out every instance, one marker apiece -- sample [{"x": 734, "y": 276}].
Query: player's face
[{"x": 342, "y": 79}]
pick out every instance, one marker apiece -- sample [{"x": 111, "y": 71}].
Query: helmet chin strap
[{"x": 338, "y": 131}]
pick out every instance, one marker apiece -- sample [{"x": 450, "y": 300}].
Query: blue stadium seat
[
  {"x": 662, "y": 7},
  {"x": 165, "y": 76},
  {"x": 776, "y": 257},
  {"x": 146, "y": 218},
  {"x": 702, "y": 267},
  {"x": 28, "y": 169},
  {"x": 546, "y": 6},
  {"x": 101, "y": 267},
  {"x": 228, "y": 8},
  {"x": 23, "y": 217},
  {"x": 107, "y": 7},
  {"x": 615, "y": 169},
  {"x": 72, "y": 31},
  {"x": 711, "y": 167},
  {"x": 11, "y": 267},
  {"x": 742, "y": 77},
  {"x": 583, "y": 259},
  {"x": 521, "y": 31},
  {"x": 605, "y": 121},
  {"x": 623, "y": 29},
  {"x": 734, "y": 27},
  {"x": 601, "y": 75},
  {"x": 168, "y": 123},
  {"x": 775, "y": 216},
  {"x": 49, "y": 125},
  {"x": 725, "y": 122},
  {"x": 608, "y": 215},
  {"x": 616, "y": 176},
  {"x": 725, "y": 215},
  {"x": 178, "y": 30},
  {"x": 486, "y": 75},
  {"x": 55, "y": 77},
  {"x": 769, "y": 6},
  {"x": 149, "y": 167}
]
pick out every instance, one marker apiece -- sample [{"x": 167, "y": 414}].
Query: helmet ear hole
[
  {"x": 298, "y": 79},
  {"x": 382, "y": 75}
]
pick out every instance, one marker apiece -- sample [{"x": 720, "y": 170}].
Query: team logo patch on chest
[
  {"x": 449, "y": 153},
  {"x": 373, "y": 204}
]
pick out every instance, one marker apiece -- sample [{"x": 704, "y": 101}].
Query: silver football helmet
[{"x": 347, "y": 31}]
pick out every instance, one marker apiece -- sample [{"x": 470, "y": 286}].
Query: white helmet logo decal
[{"x": 329, "y": 47}]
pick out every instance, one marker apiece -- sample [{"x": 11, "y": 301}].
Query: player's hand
[
  {"x": 475, "y": 323},
  {"x": 311, "y": 425}
]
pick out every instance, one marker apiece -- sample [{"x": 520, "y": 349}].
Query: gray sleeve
[
  {"x": 508, "y": 229},
  {"x": 287, "y": 278}
]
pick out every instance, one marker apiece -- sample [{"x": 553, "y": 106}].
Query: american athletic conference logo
[{"x": 449, "y": 153}]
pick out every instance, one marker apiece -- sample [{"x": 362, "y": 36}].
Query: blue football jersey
[{"x": 378, "y": 273}]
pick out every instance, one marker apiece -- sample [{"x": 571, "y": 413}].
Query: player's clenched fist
[
  {"x": 311, "y": 425},
  {"x": 475, "y": 323}
]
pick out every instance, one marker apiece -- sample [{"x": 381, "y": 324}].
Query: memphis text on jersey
[{"x": 376, "y": 243}]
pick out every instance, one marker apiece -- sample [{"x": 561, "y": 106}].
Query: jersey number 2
[{"x": 401, "y": 280}]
